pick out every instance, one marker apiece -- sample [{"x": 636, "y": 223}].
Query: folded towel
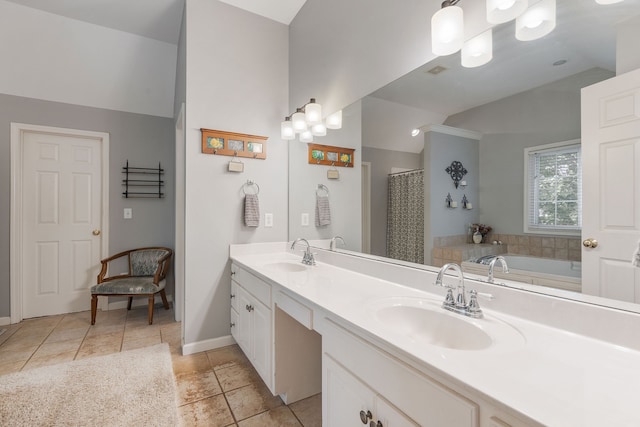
[
  {"x": 323, "y": 211},
  {"x": 636, "y": 257},
  {"x": 251, "y": 210}
]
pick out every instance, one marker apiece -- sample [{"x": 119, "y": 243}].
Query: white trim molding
[
  {"x": 15, "y": 263},
  {"x": 449, "y": 130},
  {"x": 210, "y": 344}
]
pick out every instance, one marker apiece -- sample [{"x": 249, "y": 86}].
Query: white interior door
[
  {"x": 61, "y": 220},
  {"x": 611, "y": 173}
]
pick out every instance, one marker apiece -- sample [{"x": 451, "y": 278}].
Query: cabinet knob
[
  {"x": 96, "y": 232},
  {"x": 232, "y": 324},
  {"x": 232, "y": 296},
  {"x": 375, "y": 424},
  {"x": 249, "y": 308},
  {"x": 365, "y": 416},
  {"x": 233, "y": 273}
]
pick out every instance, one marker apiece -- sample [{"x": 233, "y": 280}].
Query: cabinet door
[
  {"x": 234, "y": 324},
  {"x": 344, "y": 397},
  {"x": 390, "y": 416},
  {"x": 261, "y": 340},
  {"x": 243, "y": 327}
]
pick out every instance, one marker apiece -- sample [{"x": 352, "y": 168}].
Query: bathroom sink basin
[
  {"x": 287, "y": 267},
  {"x": 424, "y": 321}
]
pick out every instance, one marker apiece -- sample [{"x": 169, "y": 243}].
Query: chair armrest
[
  {"x": 163, "y": 266},
  {"x": 105, "y": 264}
]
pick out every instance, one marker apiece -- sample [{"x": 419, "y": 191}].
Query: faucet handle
[{"x": 474, "y": 308}]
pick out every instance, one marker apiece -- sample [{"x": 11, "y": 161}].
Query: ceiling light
[
  {"x": 307, "y": 122},
  {"x": 608, "y": 1},
  {"x": 478, "y": 50},
  {"x": 499, "y": 11},
  {"x": 415, "y": 132},
  {"x": 537, "y": 21},
  {"x": 447, "y": 29}
]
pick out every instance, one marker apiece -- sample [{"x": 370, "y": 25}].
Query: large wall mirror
[{"x": 528, "y": 95}]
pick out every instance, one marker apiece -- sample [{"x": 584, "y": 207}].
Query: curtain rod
[{"x": 411, "y": 171}]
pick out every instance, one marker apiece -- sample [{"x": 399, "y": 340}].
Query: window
[{"x": 553, "y": 188}]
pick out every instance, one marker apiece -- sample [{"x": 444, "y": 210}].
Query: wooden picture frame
[
  {"x": 233, "y": 144},
  {"x": 331, "y": 156}
]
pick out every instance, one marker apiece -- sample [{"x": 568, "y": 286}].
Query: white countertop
[{"x": 552, "y": 376}]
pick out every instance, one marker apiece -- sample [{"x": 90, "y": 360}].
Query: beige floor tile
[
  {"x": 104, "y": 329},
  {"x": 51, "y": 359},
  {"x": 51, "y": 349},
  {"x": 251, "y": 400},
  {"x": 19, "y": 342},
  {"x": 66, "y": 334},
  {"x": 17, "y": 355},
  {"x": 237, "y": 375},
  {"x": 309, "y": 410},
  {"x": 141, "y": 332},
  {"x": 226, "y": 357},
  {"x": 10, "y": 368},
  {"x": 197, "y": 386},
  {"x": 277, "y": 417},
  {"x": 129, "y": 344},
  {"x": 210, "y": 412},
  {"x": 192, "y": 363}
]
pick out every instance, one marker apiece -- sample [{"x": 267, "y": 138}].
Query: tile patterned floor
[{"x": 215, "y": 388}]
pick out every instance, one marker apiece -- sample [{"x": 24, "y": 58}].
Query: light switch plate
[
  {"x": 128, "y": 213},
  {"x": 268, "y": 220},
  {"x": 305, "y": 220}
]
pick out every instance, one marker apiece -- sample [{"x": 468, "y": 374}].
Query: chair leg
[
  {"x": 94, "y": 308},
  {"x": 163, "y": 294},
  {"x": 129, "y": 303},
  {"x": 151, "y": 309}
]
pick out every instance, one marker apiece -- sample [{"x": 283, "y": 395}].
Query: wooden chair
[{"x": 146, "y": 277}]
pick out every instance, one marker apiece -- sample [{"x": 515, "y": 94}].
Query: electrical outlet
[
  {"x": 268, "y": 220},
  {"x": 305, "y": 220},
  {"x": 128, "y": 213}
]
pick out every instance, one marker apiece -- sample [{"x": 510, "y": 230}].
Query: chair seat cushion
[{"x": 128, "y": 286}]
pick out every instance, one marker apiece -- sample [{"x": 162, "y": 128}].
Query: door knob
[
  {"x": 590, "y": 243},
  {"x": 96, "y": 232}
]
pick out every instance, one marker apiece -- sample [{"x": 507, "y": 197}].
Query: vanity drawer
[
  {"x": 420, "y": 397},
  {"x": 256, "y": 287},
  {"x": 295, "y": 309}
]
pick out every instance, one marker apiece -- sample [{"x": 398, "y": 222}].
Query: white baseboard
[
  {"x": 211, "y": 344},
  {"x": 5, "y": 321},
  {"x": 136, "y": 302}
]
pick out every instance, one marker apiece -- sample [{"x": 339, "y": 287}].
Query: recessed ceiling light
[
  {"x": 436, "y": 70},
  {"x": 560, "y": 62},
  {"x": 415, "y": 132}
]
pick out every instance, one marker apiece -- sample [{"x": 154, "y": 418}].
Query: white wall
[
  {"x": 344, "y": 193},
  {"x": 627, "y": 57},
  {"x": 237, "y": 80},
  {"x": 50, "y": 57}
]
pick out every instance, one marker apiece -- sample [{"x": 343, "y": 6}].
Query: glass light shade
[
  {"x": 334, "y": 121},
  {"x": 313, "y": 113},
  {"x": 415, "y": 132},
  {"x": 537, "y": 21},
  {"x": 306, "y": 136},
  {"x": 298, "y": 120},
  {"x": 499, "y": 11},
  {"x": 608, "y": 1},
  {"x": 447, "y": 30},
  {"x": 478, "y": 50},
  {"x": 319, "y": 130},
  {"x": 286, "y": 130}
]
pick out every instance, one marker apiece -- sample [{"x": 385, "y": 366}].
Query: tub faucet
[
  {"x": 459, "y": 303},
  {"x": 333, "y": 244},
  {"x": 307, "y": 257},
  {"x": 492, "y": 263}
]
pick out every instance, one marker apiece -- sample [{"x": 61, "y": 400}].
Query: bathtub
[{"x": 561, "y": 274}]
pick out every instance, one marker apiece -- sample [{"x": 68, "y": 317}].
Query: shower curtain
[{"x": 405, "y": 216}]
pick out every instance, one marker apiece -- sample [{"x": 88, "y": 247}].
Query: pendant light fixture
[
  {"x": 499, "y": 11},
  {"x": 608, "y": 1},
  {"x": 447, "y": 29},
  {"x": 478, "y": 50},
  {"x": 307, "y": 122},
  {"x": 537, "y": 21}
]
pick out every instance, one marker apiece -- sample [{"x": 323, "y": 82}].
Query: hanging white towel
[
  {"x": 636, "y": 257},
  {"x": 323, "y": 211},
  {"x": 251, "y": 210}
]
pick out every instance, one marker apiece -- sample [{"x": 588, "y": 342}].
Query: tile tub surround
[
  {"x": 215, "y": 388},
  {"x": 566, "y": 341}
]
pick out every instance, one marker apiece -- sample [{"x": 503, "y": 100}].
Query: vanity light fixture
[
  {"x": 478, "y": 50},
  {"x": 537, "y": 21},
  {"x": 608, "y": 1},
  {"x": 307, "y": 122},
  {"x": 499, "y": 11},
  {"x": 447, "y": 29}
]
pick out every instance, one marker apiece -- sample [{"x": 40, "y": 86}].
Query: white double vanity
[{"x": 373, "y": 337}]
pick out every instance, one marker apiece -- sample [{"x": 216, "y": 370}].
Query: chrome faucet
[
  {"x": 459, "y": 303},
  {"x": 307, "y": 257},
  {"x": 333, "y": 243},
  {"x": 492, "y": 263}
]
